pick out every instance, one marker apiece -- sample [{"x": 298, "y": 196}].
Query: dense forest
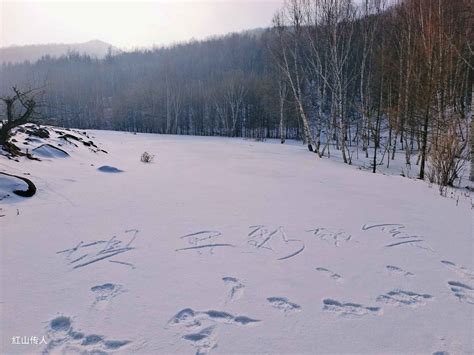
[
  {"x": 220, "y": 86},
  {"x": 377, "y": 77}
]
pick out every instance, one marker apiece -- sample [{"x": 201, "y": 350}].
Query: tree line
[
  {"x": 376, "y": 78},
  {"x": 221, "y": 86}
]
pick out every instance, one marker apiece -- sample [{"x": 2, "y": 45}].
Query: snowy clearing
[{"x": 228, "y": 246}]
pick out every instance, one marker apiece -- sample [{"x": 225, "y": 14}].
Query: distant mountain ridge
[{"x": 32, "y": 53}]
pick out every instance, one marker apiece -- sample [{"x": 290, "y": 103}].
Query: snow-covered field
[{"x": 229, "y": 246}]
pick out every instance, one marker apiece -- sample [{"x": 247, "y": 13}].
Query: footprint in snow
[
  {"x": 329, "y": 273},
  {"x": 349, "y": 309},
  {"x": 236, "y": 288},
  {"x": 398, "y": 270},
  {"x": 204, "y": 341},
  {"x": 463, "y": 292},
  {"x": 461, "y": 270},
  {"x": 64, "y": 339},
  {"x": 106, "y": 292},
  {"x": 404, "y": 298},
  {"x": 199, "y": 327},
  {"x": 283, "y": 304},
  {"x": 189, "y": 318}
]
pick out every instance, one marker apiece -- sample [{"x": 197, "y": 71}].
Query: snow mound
[
  {"x": 52, "y": 142},
  {"x": 18, "y": 185},
  {"x": 8, "y": 184},
  {"x": 50, "y": 151},
  {"x": 109, "y": 169},
  {"x": 33, "y": 140}
]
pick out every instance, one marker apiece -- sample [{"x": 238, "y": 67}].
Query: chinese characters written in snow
[{"x": 85, "y": 254}]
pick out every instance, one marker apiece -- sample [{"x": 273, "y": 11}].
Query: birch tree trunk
[
  {"x": 282, "y": 92},
  {"x": 291, "y": 67},
  {"x": 471, "y": 134}
]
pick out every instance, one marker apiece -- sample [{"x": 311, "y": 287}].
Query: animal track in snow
[
  {"x": 398, "y": 270},
  {"x": 329, "y": 273},
  {"x": 463, "y": 292},
  {"x": 63, "y": 339},
  {"x": 404, "y": 298},
  {"x": 283, "y": 304},
  {"x": 196, "y": 328},
  {"x": 236, "y": 288},
  {"x": 461, "y": 270},
  {"x": 106, "y": 292},
  {"x": 349, "y": 309}
]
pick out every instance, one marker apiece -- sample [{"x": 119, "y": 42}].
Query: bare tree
[
  {"x": 371, "y": 10},
  {"x": 20, "y": 108},
  {"x": 282, "y": 91},
  {"x": 290, "y": 58},
  {"x": 229, "y": 102}
]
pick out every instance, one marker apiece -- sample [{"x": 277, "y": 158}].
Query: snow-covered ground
[{"x": 229, "y": 246}]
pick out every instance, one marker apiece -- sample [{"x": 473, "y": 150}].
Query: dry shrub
[
  {"x": 447, "y": 159},
  {"x": 147, "y": 157}
]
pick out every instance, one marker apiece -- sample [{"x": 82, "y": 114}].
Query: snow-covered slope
[{"x": 230, "y": 246}]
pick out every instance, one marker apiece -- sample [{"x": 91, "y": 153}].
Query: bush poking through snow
[{"x": 147, "y": 157}]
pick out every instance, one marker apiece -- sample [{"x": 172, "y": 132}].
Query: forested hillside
[
  {"x": 32, "y": 53},
  {"x": 182, "y": 89}
]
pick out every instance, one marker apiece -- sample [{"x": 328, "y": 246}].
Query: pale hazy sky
[{"x": 128, "y": 24}]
